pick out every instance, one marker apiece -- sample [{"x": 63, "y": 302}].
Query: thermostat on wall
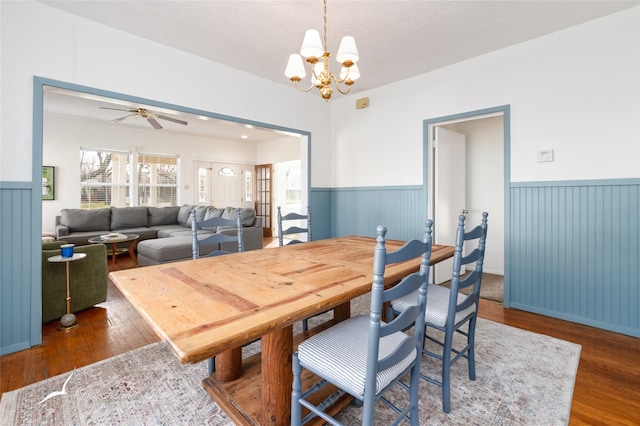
[{"x": 545, "y": 155}]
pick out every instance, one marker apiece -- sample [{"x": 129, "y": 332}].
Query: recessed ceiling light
[{"x": 244, "y": 137}]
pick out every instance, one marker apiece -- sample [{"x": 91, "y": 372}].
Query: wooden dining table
[{"x": 213, "y": 306}]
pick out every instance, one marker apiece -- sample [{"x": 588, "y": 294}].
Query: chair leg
[
  {"x": 296, "y": 393},
  {"x": 446, "y": 372},
  {"x": 211, "y": 362},
  {"x": 414, "y": 394},
  {"x": 471, "y": 354},
  {"x": 305, "y": 325}
]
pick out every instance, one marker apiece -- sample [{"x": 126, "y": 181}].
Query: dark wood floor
[{"x": 607, "y": 390}]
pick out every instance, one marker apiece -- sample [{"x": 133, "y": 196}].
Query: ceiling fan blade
[
  {"x": 121, "y": 118},
  {"x": 120, "y": 109},
  {"x": 154, "y": 123},
  {"x": 175, "y": 120}
]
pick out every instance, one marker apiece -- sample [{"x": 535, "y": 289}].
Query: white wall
[
  {"x": 576, "y": 91},
  {"x": 37, "y": 40}
]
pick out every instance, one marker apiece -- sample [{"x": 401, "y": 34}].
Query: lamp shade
[
  {"x": 312, "y": 45},
  {"x": 295, "y": 67},
  {"x": 347, "y": 50},
  {"x": 352, "y": 72}
]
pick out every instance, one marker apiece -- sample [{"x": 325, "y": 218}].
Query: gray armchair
[{"x": 87, "y": 280}]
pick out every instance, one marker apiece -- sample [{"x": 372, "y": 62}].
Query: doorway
[
  {"x": 224, "y": 184},
  {"x": 486, "y": 150}
]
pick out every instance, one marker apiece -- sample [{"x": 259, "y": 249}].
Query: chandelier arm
[
  {"x": 339, "y": 82},
  {"x": 297, "y": 86},
  {"x": 345, "y": 92}
]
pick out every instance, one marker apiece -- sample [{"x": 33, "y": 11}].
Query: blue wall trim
[
  {"x": 358, "y": 211},
  {"x": 575, "y": 252},
  {"x": 556, "y": 183},
  {"x": 574, "y": 246},
  {"x": 16, "y": 271}
]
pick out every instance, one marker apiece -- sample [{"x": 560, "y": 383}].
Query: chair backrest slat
[
  {"x": 217, "y": 237},
  {"x": 294, "y": 229}
]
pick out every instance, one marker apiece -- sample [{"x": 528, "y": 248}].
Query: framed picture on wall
[{"x": 48, "y": 183}]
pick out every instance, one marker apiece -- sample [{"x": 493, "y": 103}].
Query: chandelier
[{"x": 317, "y": 56}]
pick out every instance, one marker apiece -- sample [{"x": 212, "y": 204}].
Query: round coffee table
[{"x": 115, "y": 250}]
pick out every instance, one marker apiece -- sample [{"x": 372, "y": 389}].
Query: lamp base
[{"x": 67, "y": 322}]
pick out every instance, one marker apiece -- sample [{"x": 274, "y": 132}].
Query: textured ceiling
[{"x": 396, "y": 39}]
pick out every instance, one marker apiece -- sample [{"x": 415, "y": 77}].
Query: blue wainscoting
[
  {"x": 17, "y": 272},
  {"x": 358, "y": 211},
  {"x": 320, "y": 202},
  {"x": 573, "y": 252},
  {"x": 572, "y": 248}
]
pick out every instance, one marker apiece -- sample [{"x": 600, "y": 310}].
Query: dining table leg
[
  {"x": 277, "y": 377},
  {"x": 229, "y": 365},
  {"x": 342, "y": 312}
]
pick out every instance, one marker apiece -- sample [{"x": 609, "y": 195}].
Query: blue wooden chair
[
  {"x": 293, "y": 230},
  {"x": 448, "y": 310},
  {"x": 213, "y": 224},
  {"x": 363, "y": 356}
]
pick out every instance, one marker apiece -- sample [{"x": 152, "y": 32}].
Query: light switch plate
[{"x": 545, "y": 155}]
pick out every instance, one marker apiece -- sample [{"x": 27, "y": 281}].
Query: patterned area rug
[
  {"x": 492, "y": 287},
  {"x": 522, "y": 378}
]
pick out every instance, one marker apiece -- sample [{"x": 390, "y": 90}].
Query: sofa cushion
[
  {"x": 163, "y": 215},
  {"x": 169, "y": 249},
  {"x": 213, "y": 212},
  {"x": 248, "y": 216},
  {"x": 209, "y": 213},
  {"x": 80, "y": 220},
  {"x": 128, "y": 217},
  {"x": 201, "y": 211},
  {"x": 165, "y": 231},
  {"x": 184, "y": 214}
]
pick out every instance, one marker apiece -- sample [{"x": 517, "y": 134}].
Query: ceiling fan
[{"x": 150, "y": 116}]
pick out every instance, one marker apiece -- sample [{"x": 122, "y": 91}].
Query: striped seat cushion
[
  {"x": 437, "y": 305},
  {"x": 339, "y": 354}
]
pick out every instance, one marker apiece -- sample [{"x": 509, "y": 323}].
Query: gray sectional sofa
[{"x": 165, "y": 232}]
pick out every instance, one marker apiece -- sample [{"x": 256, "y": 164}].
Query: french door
[{"x": 263, "y": 196}]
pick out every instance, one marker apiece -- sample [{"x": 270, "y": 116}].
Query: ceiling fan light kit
[
  {"x": 150, "y": 116},
  {"x": 314, "y": 50}
]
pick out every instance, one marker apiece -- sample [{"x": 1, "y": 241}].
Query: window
[
  {"x": 157, "y": 180},
  {"x": 248, "y": 185},
  {"x": 203, "y": 185},
  {"x": 106, "y": 179}
]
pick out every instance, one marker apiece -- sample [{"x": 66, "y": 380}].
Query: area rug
[
  {"x": 492, "y": 287},
  {"x": 522, "y": 378}
]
